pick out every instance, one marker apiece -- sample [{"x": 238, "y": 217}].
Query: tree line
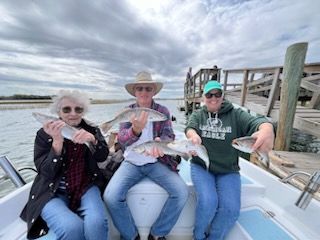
[{"x": 24, "y": 97}]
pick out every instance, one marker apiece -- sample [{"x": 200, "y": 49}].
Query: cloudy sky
[{"x": 98, "y": 46}]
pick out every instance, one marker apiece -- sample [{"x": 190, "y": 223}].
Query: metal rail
[{"x": 11, "y": 172}]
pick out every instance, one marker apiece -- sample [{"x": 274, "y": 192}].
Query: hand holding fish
[
  {"x": 188, "y": 147},
  {"x": 139, "y": 122},
  {"x": 193, "y": 136},
  {"x": 156, "y": 151},
  {"x": 53, "y": 128},
  {"x": 260, "y": 142},
  {"x": 174, "y": 148},
  {"x": 58, "y": 130},
  {"x": 127, "y": 114},
  {"x": 264, "y": 138},
  {"x": 81, "y": 136}
]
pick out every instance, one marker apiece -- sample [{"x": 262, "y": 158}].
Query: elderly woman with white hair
[{"x": 66, "y": 194}]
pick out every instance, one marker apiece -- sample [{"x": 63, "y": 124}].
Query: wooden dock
[
  {"x": 262, "y": 93},
  {"x": 269, "y": 91},
  {"x": 306, "y": 119},
  {"x": 288, "y": 95}
]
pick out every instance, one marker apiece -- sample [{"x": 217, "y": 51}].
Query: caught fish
[
  {"x": 245, "y": 144},
  {"x": 187, "y": 146},
  {"x": 125, "y": 116},
  {"x": 162, "y": 145},
  {"x": 67, "y": 131}
]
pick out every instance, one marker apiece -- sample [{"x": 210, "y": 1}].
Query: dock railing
[
  {"x": 277, "y": 92},
  {"x": 193, "y": 87},
  {"x": 288, "y": 94},
  {"x": 266, "y": 82}
]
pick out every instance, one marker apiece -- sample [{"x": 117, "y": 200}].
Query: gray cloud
[{"x": 98, "y": 46}]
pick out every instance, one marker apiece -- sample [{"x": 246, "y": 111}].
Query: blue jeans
[
  {"x": 128, "y": 175},
  {"x": 90, "y": 221},
  {"x": 218, "y": 202}
]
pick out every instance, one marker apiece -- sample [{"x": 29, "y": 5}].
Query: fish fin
[
  {"x": 203, "y": 149},
  {"x": 207, "y": 165},
  {"x": 105, "y": 127},
  {"x": 206, "y": 162}
]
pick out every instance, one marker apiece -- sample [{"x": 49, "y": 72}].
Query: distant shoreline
[
  {"x": 42, "y": 101},
  {"x": 93, "y": 101},
  {"x": 14, "y": 104}
]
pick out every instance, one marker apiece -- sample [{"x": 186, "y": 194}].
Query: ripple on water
[{"x": 18, "y": 131}]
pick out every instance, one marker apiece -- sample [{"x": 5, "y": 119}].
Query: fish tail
[
  {"x": 264, "y": 158},
  {"x": 266, "y": 161},
  {"x": 105, "y": 127}
]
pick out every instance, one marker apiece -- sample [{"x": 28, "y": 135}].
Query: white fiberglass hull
[{"x": 267, "y": 210}]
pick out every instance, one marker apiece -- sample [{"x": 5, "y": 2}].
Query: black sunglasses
[
  {"x": 217, "y": 94},
  {"x": 140, "y": 89},
  {"x": 69, "y": 109}
]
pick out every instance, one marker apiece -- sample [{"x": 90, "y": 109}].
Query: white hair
[{"x": 74, "y": 96}]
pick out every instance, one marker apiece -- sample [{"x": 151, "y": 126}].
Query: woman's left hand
[{"x": 82, "y": 136}]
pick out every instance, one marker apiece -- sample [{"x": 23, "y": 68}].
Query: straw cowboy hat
[{"x": 143, "y": 78}]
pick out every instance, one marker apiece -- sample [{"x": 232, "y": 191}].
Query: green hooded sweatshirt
[{"x": 217, "y": 130}]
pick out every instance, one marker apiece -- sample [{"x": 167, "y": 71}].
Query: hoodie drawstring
[{"x": 215, "y": 121}]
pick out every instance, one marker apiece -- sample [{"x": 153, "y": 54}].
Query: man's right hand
[{"x": 138, "y": 123}]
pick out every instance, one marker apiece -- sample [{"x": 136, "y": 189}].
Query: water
[{"x": 18, "y": 131}]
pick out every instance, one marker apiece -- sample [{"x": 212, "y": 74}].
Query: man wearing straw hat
[{"x": 158, "y": 167}]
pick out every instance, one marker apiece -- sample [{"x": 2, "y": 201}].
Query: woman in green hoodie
[{"x": 218, "y": 190}]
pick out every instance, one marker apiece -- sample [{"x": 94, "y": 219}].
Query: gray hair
[{"x": 74, "y": 96}]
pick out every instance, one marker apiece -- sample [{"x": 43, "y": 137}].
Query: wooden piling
[
  {"x": 244, "y": 87},
  {"x": 292, "y": 73}
]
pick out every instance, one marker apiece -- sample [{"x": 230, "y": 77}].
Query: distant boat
[{"x": 268, "y": 210}]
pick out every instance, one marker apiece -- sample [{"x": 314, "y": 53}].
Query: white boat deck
[{"x": 267, "y": 211}]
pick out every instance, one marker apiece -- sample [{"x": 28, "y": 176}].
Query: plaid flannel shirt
[
  {"x": 76, "y": 176},
  {"x": 160, "y": 129}
]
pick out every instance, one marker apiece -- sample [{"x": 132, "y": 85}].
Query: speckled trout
[
  {"x": 67, "y": 131},
  {"x": 187, "y": 146},
  {"x": 126, "y": 114},
  {"x": 245, "y": 144},
  {"x": 146, "y": 147}
]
